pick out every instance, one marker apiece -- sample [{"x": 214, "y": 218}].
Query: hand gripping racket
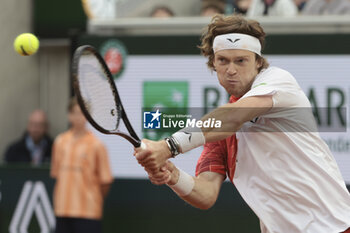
[{"x": 97, "y": 94}]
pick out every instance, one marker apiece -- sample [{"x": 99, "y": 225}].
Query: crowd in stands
[{"x": 253, "y": 8}]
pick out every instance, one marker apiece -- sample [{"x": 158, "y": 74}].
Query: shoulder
[
  {"x": 48, "y": 138},
  {"x": 96, "y": 145},
  {"x": 62, "y": 137},
  {"x": 49, "y": 141},
  {"x": 274, "y": 70},
  {"x": 94, "y": 140},
  {"x": 17, "y": 144},
  {"x": 273, "y": 75},
  {"x": 275, "y": 82},
  {"x": 16, "y": 150}
]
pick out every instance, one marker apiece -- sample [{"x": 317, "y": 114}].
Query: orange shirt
[{"x": 80, "y": 166}]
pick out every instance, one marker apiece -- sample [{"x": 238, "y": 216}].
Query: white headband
[{"x": 237, "y": 41}]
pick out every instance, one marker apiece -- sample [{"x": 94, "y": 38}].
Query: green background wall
[{"x": 135, "y": 206}]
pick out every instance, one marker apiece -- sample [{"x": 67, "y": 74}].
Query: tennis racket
[{"x": 97, "y": 94}]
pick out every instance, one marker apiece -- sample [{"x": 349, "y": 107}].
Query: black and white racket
[{"x": 97, "y": 94}]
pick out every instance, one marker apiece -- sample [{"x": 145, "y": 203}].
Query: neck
[
  {"x": 36, "y": 142},
  {"x": 77, "y": 132}
]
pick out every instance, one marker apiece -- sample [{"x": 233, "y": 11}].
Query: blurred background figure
[
  {"x": 241, "y": 6},
  {"x": 35, "y": 145},
  {"x": 300, "y": 4},
  {"x": 162, "y": 12},
  {"x": 144, "y": 8},
  {"x": 326, "y": 7},
  {"x": 272, "y": 8},
  {"x": 212, "y": 7},
  {"x": 83, "y": 176}
]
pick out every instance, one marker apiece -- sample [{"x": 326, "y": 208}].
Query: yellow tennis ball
[{"x": 26, "y": 44}]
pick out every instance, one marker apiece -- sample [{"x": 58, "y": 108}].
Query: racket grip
[{"x": 143, "y": 145}]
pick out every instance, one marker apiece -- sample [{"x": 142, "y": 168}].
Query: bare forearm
[
  {"x": 230, "y": 123},
  {"x": 204, "y": 191},
  {"x": 203, "y": 195},
  {"x": 234, "y": 115}
]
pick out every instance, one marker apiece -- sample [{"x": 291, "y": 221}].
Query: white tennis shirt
[{"x": 285, "y": 171}]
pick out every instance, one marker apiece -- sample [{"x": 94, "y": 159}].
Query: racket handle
[{"x": 143, "y": 145}]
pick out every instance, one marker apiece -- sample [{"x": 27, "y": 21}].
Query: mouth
[{"x": 233, "y": 82}]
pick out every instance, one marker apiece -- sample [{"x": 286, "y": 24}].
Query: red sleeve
[
  {"x": 212, "y": 158},
  {"x": 220, "y": 156}
]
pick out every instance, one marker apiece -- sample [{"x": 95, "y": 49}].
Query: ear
[
  {"x": 214, "y": 66},
  {"x": 258, "y": 63}
]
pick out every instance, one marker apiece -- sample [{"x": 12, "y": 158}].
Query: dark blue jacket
[{"x": 18, "y": 152}]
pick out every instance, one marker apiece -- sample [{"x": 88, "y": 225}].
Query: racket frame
[{"x": 79, "y": 52}]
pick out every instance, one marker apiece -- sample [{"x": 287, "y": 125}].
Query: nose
[{"x": 231, "y": 69}]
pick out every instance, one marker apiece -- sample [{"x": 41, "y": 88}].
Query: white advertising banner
[{"x": 185, "y": 80}]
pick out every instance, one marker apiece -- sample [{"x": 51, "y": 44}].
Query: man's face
[
  {"x": 37, "y": 126},
  {"x": 236, "y": 70},
  {"x": 77, "y": 118}
]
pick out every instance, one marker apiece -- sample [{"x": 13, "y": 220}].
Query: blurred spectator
[
  {"x": 326, "y": 7},
  {"x": 300, "y": 4},
  {"x": 241, "y": 6},
  {"x": 83, "y": 177},
  {"x": 162, "y": 12},
  {"x": 212, "y": 7},
  {"x": 35, "y": 145},
  {"x": 272, "y": 8},
  {"x": 143, "y": 8}
]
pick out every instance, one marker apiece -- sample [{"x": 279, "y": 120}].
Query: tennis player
[{"x": 268, "y": 144}]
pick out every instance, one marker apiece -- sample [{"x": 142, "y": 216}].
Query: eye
[
  {"x": 241, "y": 61},
  {"x": 222, "y": 60}
]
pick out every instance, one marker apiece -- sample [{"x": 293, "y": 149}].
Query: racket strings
[{"x": 97, "y": 93}]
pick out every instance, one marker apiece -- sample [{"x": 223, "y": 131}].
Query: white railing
[{"x": 195, "y": 25}]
